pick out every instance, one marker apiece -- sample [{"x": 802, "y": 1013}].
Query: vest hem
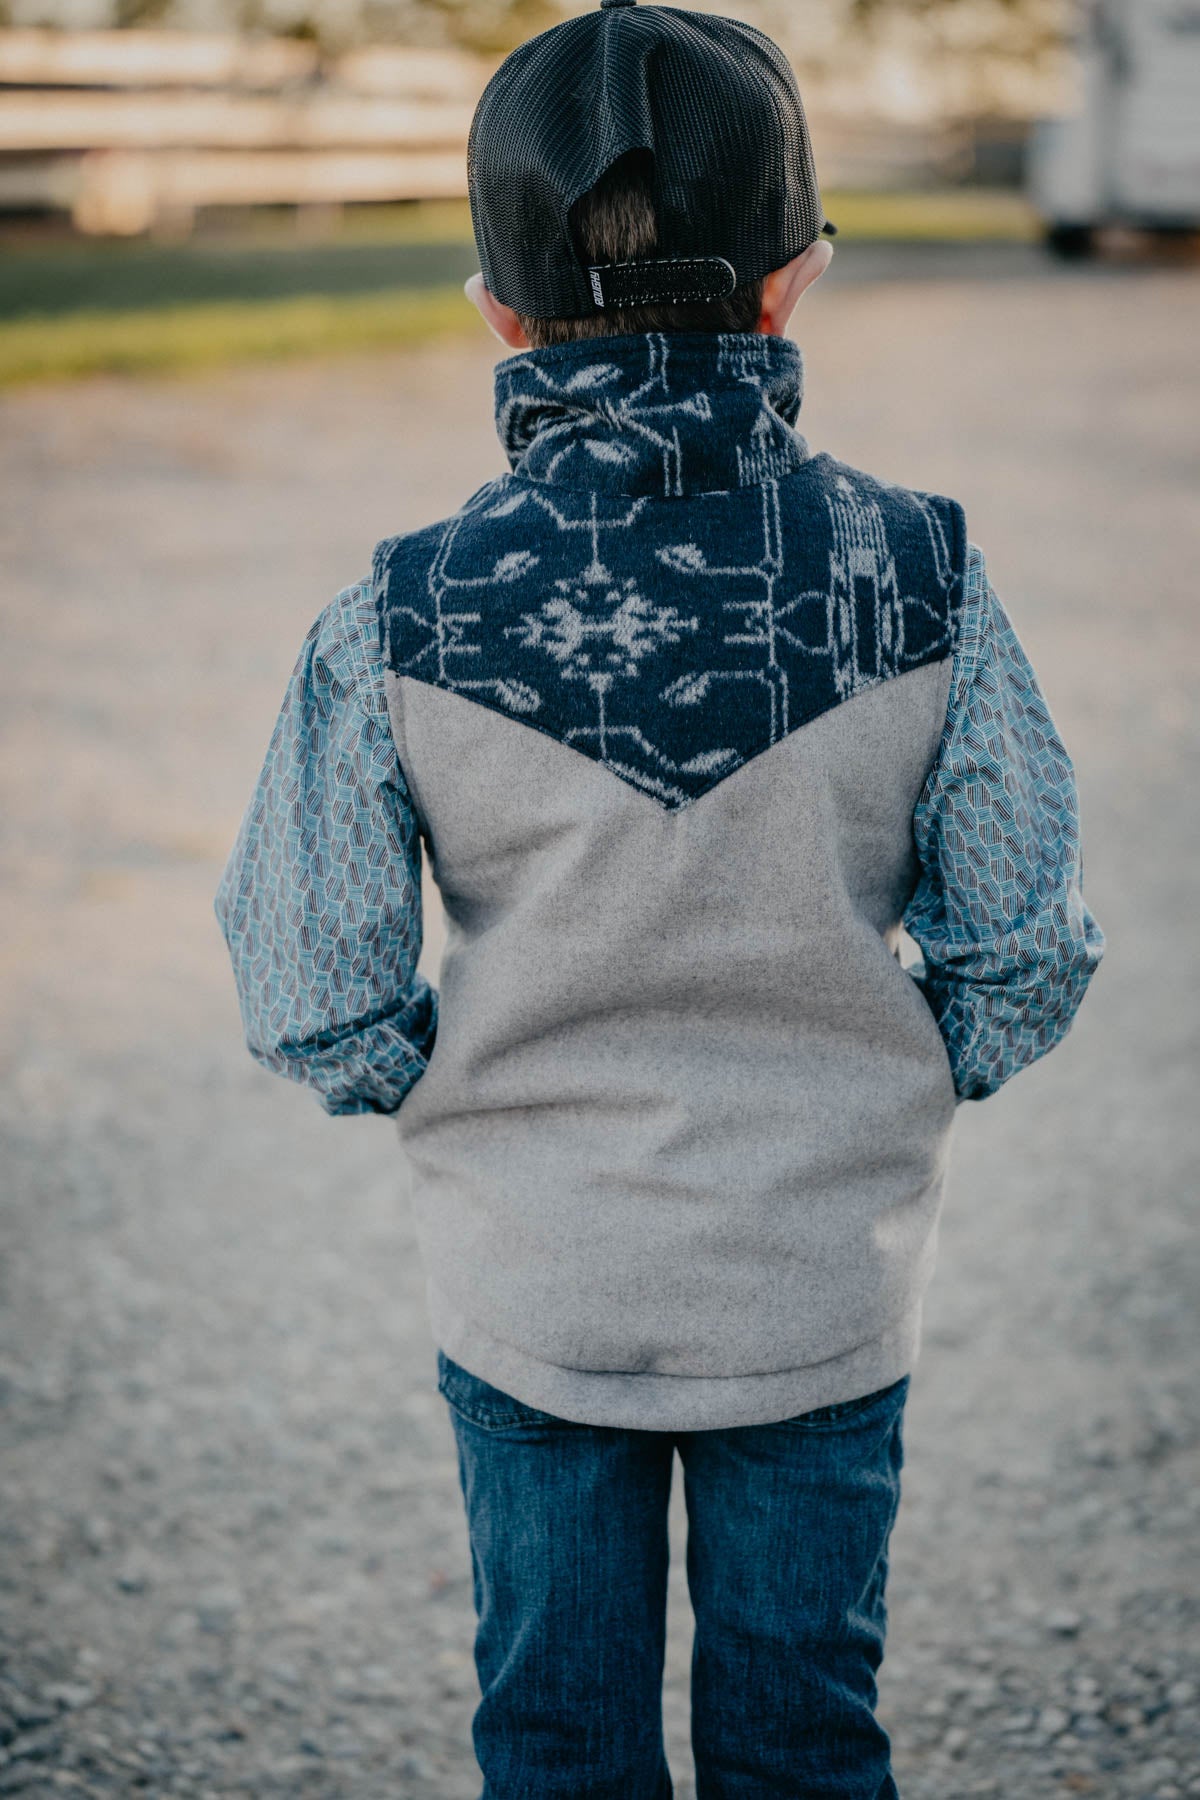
[{"x": 654, "y": 1402}]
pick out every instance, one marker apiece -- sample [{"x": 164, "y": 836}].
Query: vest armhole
[{"x": 956, "y": 587}]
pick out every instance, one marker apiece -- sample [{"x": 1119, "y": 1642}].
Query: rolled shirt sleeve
[
  {"x": 320, "y": 900},
  {"x": 1009, "y": 945}
]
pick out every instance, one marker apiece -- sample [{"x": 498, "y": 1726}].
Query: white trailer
[{"x": 1130, "y": 154}]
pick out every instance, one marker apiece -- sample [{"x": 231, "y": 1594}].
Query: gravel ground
[{"x": 231, "y": 1552}]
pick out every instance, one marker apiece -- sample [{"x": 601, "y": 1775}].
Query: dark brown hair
[{"x": 616, "y": 222}]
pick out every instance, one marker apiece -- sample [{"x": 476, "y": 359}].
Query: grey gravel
[{"x": 231, "y": 1542}]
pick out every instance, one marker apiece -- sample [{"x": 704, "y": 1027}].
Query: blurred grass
[
  {"x": 382, "y": 276},
  {"x": 118, "y": 278},
  {"x": 947, "y": 216},
  {"x": 178, "y": 338}
]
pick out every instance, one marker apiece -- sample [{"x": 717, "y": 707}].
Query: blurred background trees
[{"x": 490, "y": 26}]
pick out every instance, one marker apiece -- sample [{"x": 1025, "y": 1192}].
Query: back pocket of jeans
[
  {"x": 481, "y": 1404},
  {"x": 847, "y": 1410}
]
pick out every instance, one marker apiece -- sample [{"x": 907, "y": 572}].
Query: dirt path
[{"x": 231, "y": 1552}]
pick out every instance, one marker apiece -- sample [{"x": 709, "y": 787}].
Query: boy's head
[{"x": 642, "y": 169}]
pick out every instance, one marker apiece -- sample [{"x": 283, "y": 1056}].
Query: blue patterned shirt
[
  {"x": 1008, "y": 943},
  {"x": 320, "y": 901}
]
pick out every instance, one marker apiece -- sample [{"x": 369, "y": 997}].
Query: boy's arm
[
  {"x": 320, "y": 901},
  {"x": 1009, "y": 945}
]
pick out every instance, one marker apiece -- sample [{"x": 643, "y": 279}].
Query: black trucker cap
[{"x": 712, "y": 100}]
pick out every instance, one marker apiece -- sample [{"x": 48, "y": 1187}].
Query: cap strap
[{"x": 661, "y": 281}]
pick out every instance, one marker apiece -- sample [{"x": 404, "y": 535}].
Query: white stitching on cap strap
[{"x": 596, "y": 271}]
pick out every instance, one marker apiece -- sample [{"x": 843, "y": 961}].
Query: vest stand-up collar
[{"x": 654, "y": 413}]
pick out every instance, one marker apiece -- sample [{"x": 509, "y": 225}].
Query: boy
[{"x": 692, "y": 721}]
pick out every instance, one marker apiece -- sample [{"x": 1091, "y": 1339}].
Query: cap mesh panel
[{"x": 714, "y": 100}]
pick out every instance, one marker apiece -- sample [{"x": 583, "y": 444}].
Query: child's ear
[
  {"x": 783, "y": 287},
  {"x": 499, "y": 318}
]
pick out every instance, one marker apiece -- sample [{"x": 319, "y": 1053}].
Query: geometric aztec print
[
  {"x": 1009, "y": 942},
  {"x": 669, "y": 582}
]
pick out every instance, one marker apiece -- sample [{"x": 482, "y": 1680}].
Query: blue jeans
[{"x": 788, "y": 1528}]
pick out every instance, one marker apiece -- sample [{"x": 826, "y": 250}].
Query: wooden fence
[{"x": 127, "y": 129}]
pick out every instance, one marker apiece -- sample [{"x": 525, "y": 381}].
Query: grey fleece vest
[{"x": 665, "y": 697}]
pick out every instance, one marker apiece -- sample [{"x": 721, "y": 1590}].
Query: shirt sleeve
[
  {"x": 1008, "y": 943},
  {"x": 320, "y": 901}
]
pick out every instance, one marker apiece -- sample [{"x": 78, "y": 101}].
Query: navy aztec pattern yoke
[{"x": 668, "y": 581}]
